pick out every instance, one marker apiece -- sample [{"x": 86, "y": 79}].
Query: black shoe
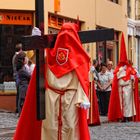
[
  {"x": 16, "y": 111},
  {"x": 123, "y": 121},
  {"x": 103, "y": 114},
  {"x": 127, "y": 119}
]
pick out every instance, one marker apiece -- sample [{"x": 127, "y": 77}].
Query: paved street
[
  {"x": 8, "y": 123},
  {"x": 116, "y": 131},
  {"x": 107, "y": 131}
]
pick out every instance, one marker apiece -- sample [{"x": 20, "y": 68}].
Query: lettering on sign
[
  {"x": 8, "y": 17},
  {"x": 16, "y": 18}
]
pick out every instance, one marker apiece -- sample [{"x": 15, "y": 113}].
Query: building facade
[
  {"x": 133, "y": 12},
  {"x": 94, "y": 14},
  {"x": 17, "y": 18}
]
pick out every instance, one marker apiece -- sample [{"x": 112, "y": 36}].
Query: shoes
[
  {"x": 124, "y": 120},
  {"x": 16, "y": 111},
  {"x": 103, "y": 114}
]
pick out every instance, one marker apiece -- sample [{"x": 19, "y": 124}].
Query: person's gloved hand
[
  {"x": 92, "y": 69},
  {"x": 36, "y": 31},
  {"x": 124, "y": 67},
  {"x": 85, "y": 105},
  {"x": 132, "y": 77}
]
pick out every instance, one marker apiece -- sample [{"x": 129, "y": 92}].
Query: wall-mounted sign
[
  {"x": 16, "y": 18},
  {"x": 56, "y": 5}
]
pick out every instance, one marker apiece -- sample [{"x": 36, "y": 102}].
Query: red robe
[
  {"x": 29, "y": 128},
  {"x": 94, "y": 118},
  {"x": 114, "y": 111}
]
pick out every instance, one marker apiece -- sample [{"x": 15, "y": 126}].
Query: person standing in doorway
[
  {"x": 104, "y": 85},
  {"x": 18, "y": 49}
]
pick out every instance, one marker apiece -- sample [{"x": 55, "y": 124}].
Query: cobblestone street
[
  {"x": 116, "y": 131},
  {"x": 107, "y": 131},
  {"x": 8, "y": 123}
]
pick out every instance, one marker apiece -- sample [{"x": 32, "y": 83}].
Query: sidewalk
[{"x": 8, "y": 122}]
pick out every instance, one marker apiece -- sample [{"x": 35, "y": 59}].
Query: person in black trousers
[
  {"x": 104, "y": 85},
  {"x": 18, "y": 49}
]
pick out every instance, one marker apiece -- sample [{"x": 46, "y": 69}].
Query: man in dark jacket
[{"x": 18, "y": 49}]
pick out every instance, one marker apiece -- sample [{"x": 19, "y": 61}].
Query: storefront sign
[{"x": 16, "y": 18}]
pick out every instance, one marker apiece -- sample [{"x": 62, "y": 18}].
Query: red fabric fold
[
  {"x": 136, "y": 98},
  {"x": 28, "y": 127},
  {"x": 114, "y": 110},
  {"x": 94, "y": 118}
]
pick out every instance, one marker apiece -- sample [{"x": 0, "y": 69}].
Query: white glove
[
  {"x": 85, "y": 105},
  {"x": 92, "y": 69},
  {"x": 36, "y": 31},
  {"x": 132, "y": 77},
  {"x": 138, "y": 75}
]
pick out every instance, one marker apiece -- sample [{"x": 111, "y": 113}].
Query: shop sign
[{"x": 16, "y": 18}]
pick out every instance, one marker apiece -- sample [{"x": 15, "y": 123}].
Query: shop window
[
  {"x": 108, "y": 50},
  {"x": 101, "y": 52},
  {"x": 9, "y": 35},
  {"x": 52, "y": 30},
  {"x": 56, "y": 21},
  {"x": 60, "y": 22},
  {"x": 53, "y": 21}
]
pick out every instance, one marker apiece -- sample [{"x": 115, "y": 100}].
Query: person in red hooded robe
[
  {"x": 66, "y": 95},
  {"x": 124, "y": 99}
]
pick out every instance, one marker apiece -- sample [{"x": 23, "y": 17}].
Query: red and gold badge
[{"x": 62, "y": 56}]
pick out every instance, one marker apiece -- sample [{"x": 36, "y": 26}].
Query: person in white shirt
[
  {"x": 104, "y": 85},
  {"x": 110, "y": 68},
  {"x": 31, "y": 66}
]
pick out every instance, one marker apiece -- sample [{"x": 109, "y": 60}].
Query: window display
[{"x": 9, "y": 35}]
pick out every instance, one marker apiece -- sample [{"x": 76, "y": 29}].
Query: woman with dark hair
[
  {"x": 104, "y": 85},
  {"x": 24, "y": 78}
]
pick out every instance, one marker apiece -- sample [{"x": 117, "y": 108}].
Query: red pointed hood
[
  {"x": 68, "y": 54},
  {"x": 123, "y": 54}
]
